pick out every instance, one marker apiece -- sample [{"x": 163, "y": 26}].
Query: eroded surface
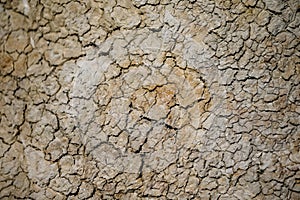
[{"x": 149, "y": 99}]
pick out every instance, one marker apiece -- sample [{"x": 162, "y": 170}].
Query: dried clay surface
[{"x": 150, "y": 99}]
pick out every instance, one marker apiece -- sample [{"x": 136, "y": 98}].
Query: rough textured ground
[{"x": 149, "y": 99}]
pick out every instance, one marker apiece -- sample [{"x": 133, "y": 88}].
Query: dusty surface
[{"x": 149, "y": 99}]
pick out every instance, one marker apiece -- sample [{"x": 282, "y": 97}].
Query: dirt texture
[{"x": 150, "y": 99}]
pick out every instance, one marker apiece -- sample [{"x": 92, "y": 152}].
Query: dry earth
[{"x": 150, "y": 99}]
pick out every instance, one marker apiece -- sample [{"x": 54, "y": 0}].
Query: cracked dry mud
[{"x": 150, "y": 99}]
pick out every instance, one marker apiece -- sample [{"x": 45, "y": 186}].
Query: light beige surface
[{"x": 149, "y": 99}]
